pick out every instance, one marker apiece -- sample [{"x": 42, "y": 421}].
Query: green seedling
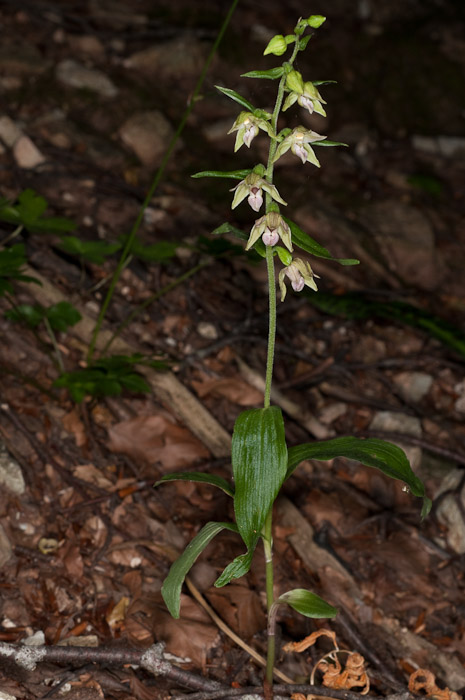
[
  {"x": 261, "y": 459},
  {"x": 12, "y": 260},
  {"x": 89, "y": 251},
  {"x": 108, "y": 377}
]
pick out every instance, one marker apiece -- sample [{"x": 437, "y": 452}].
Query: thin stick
[{"x": 228, "y": 631}]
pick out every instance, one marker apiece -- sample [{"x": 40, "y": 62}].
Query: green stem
[
  {"x": 267, "y": 531},
  {"x": 271, "y": 324},
  {"x": 268, "y": 549},
  {"x": 53, "y": 340},
  {"x": 154, "y": 185}
]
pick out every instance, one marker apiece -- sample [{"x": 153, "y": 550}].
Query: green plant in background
[{"x": 261, "y": 460}]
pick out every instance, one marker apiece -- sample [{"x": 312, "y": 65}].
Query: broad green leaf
[
  {"x": 134, "y": 382},
  {"x": 236, "y": 97},
  {"x": 62, "y": 315},
  {"x": 156, "y": 252},
  {"x": 259, "y": 246},
  {"x": 29, "y": 211},
  {"x": 237, "y": 568},
  {"x": 171, "y": 589},
  {"x": 233, "y": 174},
  {"x": 199, "y": 477},
  {"x": 32, "y": 316},
  {"x": 259, "y": 462},
  {"x": 307, "y": 603},
  {"x": 371, "y": 452},
  {"x": 271, "y": 74},
  {"x": 11, "y": 261},
  {"x": 304, "y": 241},
  {"x": 93, "y": 251}
]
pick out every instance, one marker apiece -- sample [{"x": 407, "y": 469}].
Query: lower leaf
[
  {"x": 307, "y": 603},
  {"x": 171, "y": 589}
]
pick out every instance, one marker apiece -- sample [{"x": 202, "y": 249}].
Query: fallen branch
[{"x": 151, "y": 659}]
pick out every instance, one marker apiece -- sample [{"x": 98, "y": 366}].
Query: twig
[
  {"x": 151, "y": 659},
  {"x": 228, "y": 631},
  {"x": 257, "y": 692}
]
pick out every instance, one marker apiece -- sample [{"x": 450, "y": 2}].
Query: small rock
[
  {"x": 147, "y": 134},
  {"x": 388, "y": 421},
  {"x": 173, "y": 59},
  {"x": 74, "y": 74},
  {"x": 207, "y": 330},
  {"x": 459, "y": 404},
  {"x": 332, "y": 412},
  {"x": 7, "y": 696},
  {"x": 9, "y": 131},
  {"x": 413, "y": 385},
  {"x": 21, "y": 60},
  {"x": 26, "y": 154},
  {"x": 447, "y": 146},
  {"x": 406, "y": 240},
  {"x": 5, "y": 547},
  {"x": 449, "y": 512},
  {"x": 88, "y": 45},
  {"x": 11, "y": 476}
]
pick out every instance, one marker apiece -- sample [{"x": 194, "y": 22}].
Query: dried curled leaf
[
  {"x": 352, "y": 675},
  {"x": 424, "y": 680}
]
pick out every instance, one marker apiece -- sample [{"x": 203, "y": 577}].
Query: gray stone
[
  {"x": 179, "y": 58},
  {"x": 74, "y": 74},
  {"x": 388, "y": 421},
  {"x": 413, "y": 385},
  {"x": 449, "y": 513},
  {"x": 11, "y": 476},
  {"x": 448, "y": 146},
  {"x": 405, "y": 238},
  {"x": 147, "y": 134}
]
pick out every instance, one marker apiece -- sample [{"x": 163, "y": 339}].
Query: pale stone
[
  {"x": 74, "y": 74},
  {"x": 26, "y": 153},
  {"x": 147, "y": 134},
  {"x": 413, "y": 385},
  {"x": 405, "y": 238},
  {"x": 388, "y": 421},
  {"x": 11, "y": 476},
  {"x": 207, "y": 330},
  {"x": 9, "y": 131}
]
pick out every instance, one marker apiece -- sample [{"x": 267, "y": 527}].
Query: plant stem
[
  {"x": 271, "y": 324},
  {"x": 267, "y": 531},
  {"x": 268, "y": 549},
  {"x": 154, "y": 185}
]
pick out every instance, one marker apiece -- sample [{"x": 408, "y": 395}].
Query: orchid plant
[{"x": 261, "y": 460}]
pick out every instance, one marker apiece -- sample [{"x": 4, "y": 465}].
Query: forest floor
[{"x": 91, "y": 93}]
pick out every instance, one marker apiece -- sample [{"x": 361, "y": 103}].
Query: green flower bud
[
  {"x": 316, "y": 21},
  {"x": 276, "y": 46},
  {"x": 294, "y": 82}
]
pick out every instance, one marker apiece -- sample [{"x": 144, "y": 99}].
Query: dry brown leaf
[
  {"x": 72, "y": 560},
  {"x": 73, "y": 424},
  {"x": 240, "y": 608},
  {"x": 233, "y": 388},
  {"x": 424, "y": 680},
  {"x": 90, "y": 473},
  {"x": 156, "y": 440}
]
